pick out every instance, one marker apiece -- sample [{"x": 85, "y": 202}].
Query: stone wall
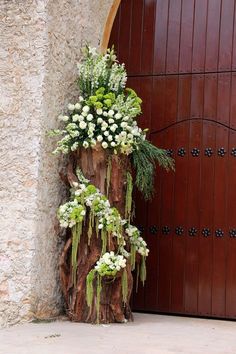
[{"x": 40, "y": 45}]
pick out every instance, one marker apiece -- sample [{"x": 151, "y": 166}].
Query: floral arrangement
[{"x": 105, "y": 114}]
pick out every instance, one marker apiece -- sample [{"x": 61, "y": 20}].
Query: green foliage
[
  {"x": 144, "y": 160},
  {"x": 128, "y": 103},
  {"x": 98, "y": 300},
  {"x": 128, "y": 197},
  {"x": 143, "y": 271},
  {"x": 108, "y": 174},
  {"x": 76, "y": 233},
  {"x": 89, "y": 287},
  {"x": 124, "y": 285}
]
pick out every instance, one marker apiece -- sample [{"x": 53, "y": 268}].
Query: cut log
[{"x": 93, "y": 164}]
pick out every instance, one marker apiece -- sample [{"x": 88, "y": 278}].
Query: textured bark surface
[{"x": 93, "y": 163}]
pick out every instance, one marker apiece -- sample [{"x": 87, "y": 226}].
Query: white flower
[
  {"x": 104, "y": 145},
  {"x": 110, "y": 120},
  {"x": 111, "y": 113},
  {"x": 113, "y": 144},
  {"x": 126, "y": 118},
  {"x": 100, "y": 226},
  {"x": 99, "y": 120},
  {"x": 83, "y": 212},
  {"x": 118, "y": 116},
  {"x": 86, "y": 109},
  {"x": 99, "y": 138},
  {"x": 106, "y": 133},
  {"x": 93, "y": 142},
  {"x": 81, "y": 118},
  {"x": 81, "y": 98},
  {"x": 124, "y": 124},
  {"x": 99, "y": 111},
  {"x": 82, "y": 125},
  {"x": 103, "y": 128},
  {"x": 71, "y": 107},
  {"x": 75, "y": 184},
  {"x": 105, "y": 114},
  {"x": 89, "y": 117},
  {"x": 78, "y": 106},
  {"x": 65, "y": 118},
  {"x": 113, "y": 127},
  {"x": 85, "y": 144},
  {"x": 109, "y": 138},
  {"x": 75, "y": 118}
]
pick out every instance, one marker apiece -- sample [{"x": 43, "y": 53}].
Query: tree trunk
[{"x": 93, "y": 163}]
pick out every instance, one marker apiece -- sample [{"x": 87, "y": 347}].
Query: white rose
[
  {"x": 110, "y": 120},
  {"x": 65, "y": 118},
  {"x": 126, "y": 118},
  {"x": 81, "y": 98},
  {"x": 81, "y": 118},
  {"x": 124, "y": 124},
  {"x": 82, "y": 125},
  {"x": 118, "y": 116},
  {"x": 113, "y": 144},
  {"x": 104, "y": 144},
  {"x": 89, "y": 117},
  {"x": 75, "y": 118},
  {"x": 113, "y": 127},
  {"x": 105, "y": 114},
  {"x": 99, "y": 111},
  {"x": 85, "y": 144},
  {"x": 111, "y": 113},
  {"x": 86, "y": 109},
  {"x": 99, "y": 120},
  {"x": 71, "y": 107},
  {"x": 103, "y": 128},
  {"x": 110, "y": 138},
  {"x": 78, "y": 106},
  {"x": 100, "y": 226},
  {"x": 106, "y": 133},
  {"x": 99, "y": 138}
]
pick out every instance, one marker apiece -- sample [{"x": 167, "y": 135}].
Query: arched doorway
[{"x": 181, "y": 59}]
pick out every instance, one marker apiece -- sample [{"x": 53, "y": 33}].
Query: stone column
[{"x": 40, "y": 45}]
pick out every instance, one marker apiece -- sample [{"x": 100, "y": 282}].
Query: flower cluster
[
  {"x": 97, "y": 70},
  {"x": 137, "y": 240},
  {"x": 71, "y": 213},
  {"x": 105, "y": 112},
  {"x": 108, "y": 218},
  {"x": 99, "y": 120},
  {"x": 110, "y": 263}
]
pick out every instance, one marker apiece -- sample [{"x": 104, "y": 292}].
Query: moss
[
  {"x": 89, "y": 287},
  {"x": 76, "y": 233},
  {"x": 132, "y": 256},
  {"x": 104, "y": 240},
  {"x": 128, "y": 197},
  {"x": 124, "y": 285},
  {"x": 99, "y": 289},
  {"x": 108, "y": 174},
  {"x": 143, "y": 271}
]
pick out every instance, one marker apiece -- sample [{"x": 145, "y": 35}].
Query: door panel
[{"x": 180, "y": 60}]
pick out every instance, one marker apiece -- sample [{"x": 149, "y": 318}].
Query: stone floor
[{"x": 148, "y": 334}]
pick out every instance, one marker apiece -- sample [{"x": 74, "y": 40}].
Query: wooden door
[{"x": 181, "y": 59}]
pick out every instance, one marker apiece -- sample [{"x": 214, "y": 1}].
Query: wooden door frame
[{"x": 108, "y": 26}]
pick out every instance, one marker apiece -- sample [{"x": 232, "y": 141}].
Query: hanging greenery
[{"x": 105, "y": 117}]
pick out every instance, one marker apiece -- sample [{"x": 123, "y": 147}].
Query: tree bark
[{"x": 93, "y": 163}]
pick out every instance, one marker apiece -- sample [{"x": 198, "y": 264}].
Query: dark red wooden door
[{"x": 181, "y": 59}]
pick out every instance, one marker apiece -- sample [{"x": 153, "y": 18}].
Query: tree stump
[{"x": 93, "y": 163}]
